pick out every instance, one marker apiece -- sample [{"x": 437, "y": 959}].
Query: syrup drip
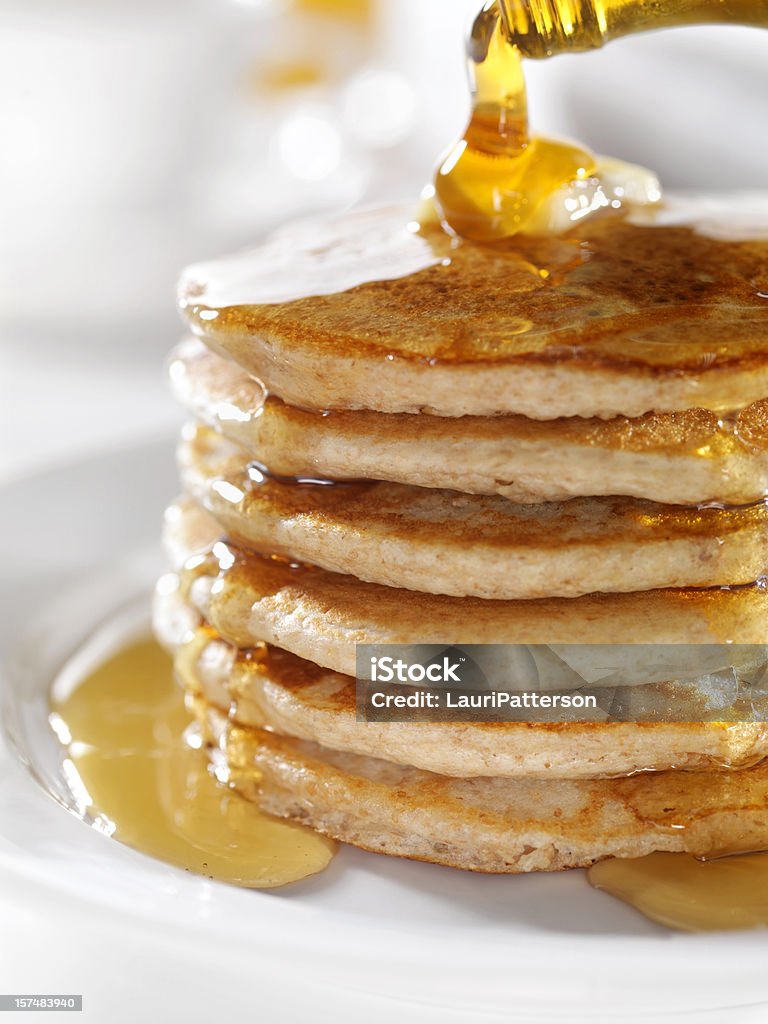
[
  {"x": 144, "y": 779},
  {"x": 499, "y": 180},
  {"x": 653, "y": 299},
  {"x": 497, "y": 176},
  {"x": 259, "y": 474},
  {"x": 688, "y": 894},
  {"x": 728, "y": 455},
  {"x": 495, "y": 184},
  {"x": 725, "y": 615},
  {"x": 676, "y": 890}
]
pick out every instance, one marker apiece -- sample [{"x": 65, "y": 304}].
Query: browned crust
[{"x": 501, "y": 826}]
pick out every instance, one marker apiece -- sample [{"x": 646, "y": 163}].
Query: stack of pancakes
[{"x": 403, "y": 439}]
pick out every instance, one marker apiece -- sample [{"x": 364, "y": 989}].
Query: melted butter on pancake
[{"x": 315, "y": 258}]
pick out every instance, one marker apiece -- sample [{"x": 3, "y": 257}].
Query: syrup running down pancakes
[
  {"x": 265, "y": 686},
  {"x": 691, "y": 457},
  {"x": 532, "y": 410},
  {"x": 437, "y": 541},
  {"x": 616, "y": 318},
  {"x": 402, "y": 437}
]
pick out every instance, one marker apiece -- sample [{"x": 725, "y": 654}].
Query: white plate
[{"x": 372, "y": 937}]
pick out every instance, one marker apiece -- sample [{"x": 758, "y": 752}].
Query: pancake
[
  {"x": 321, "y": 616},
  {"x": 489, "y": 824},
  {"x": 270, "y": 688},
  {"x": 615, "y": 318},
  {"x": 682, "y": 458},
  {"x": 445, "y": 542}
]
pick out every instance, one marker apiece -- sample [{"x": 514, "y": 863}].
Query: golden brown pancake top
[{"x": 611, "y": 293}]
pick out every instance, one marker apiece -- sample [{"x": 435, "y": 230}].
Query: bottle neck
[{"x": 543, "y": 28}]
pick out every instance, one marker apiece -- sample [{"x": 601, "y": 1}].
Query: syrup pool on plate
[
  {"x": 139, "y": 769},
  {"x": 141, "y": 775},
  {"x": 681, "y": 892}
]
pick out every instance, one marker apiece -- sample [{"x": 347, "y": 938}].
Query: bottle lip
[
  {"x": 482, "y": 30},
  {"x": 543, "y": 28}
]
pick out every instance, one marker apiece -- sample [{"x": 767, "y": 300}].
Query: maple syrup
[
  {"x": 716, "y": 458},
  {"x": 236, "y": 580},
  {"x": 126, "y": 727},
  {"x": 305, "y": 521},
  {"x": 499, "y": 180},
  {"x": 618, "y": 317},
  {"x": 688, "y": 894},
  {"x": 144, "y": 778},
  {"x": 497, "y": 177}
]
